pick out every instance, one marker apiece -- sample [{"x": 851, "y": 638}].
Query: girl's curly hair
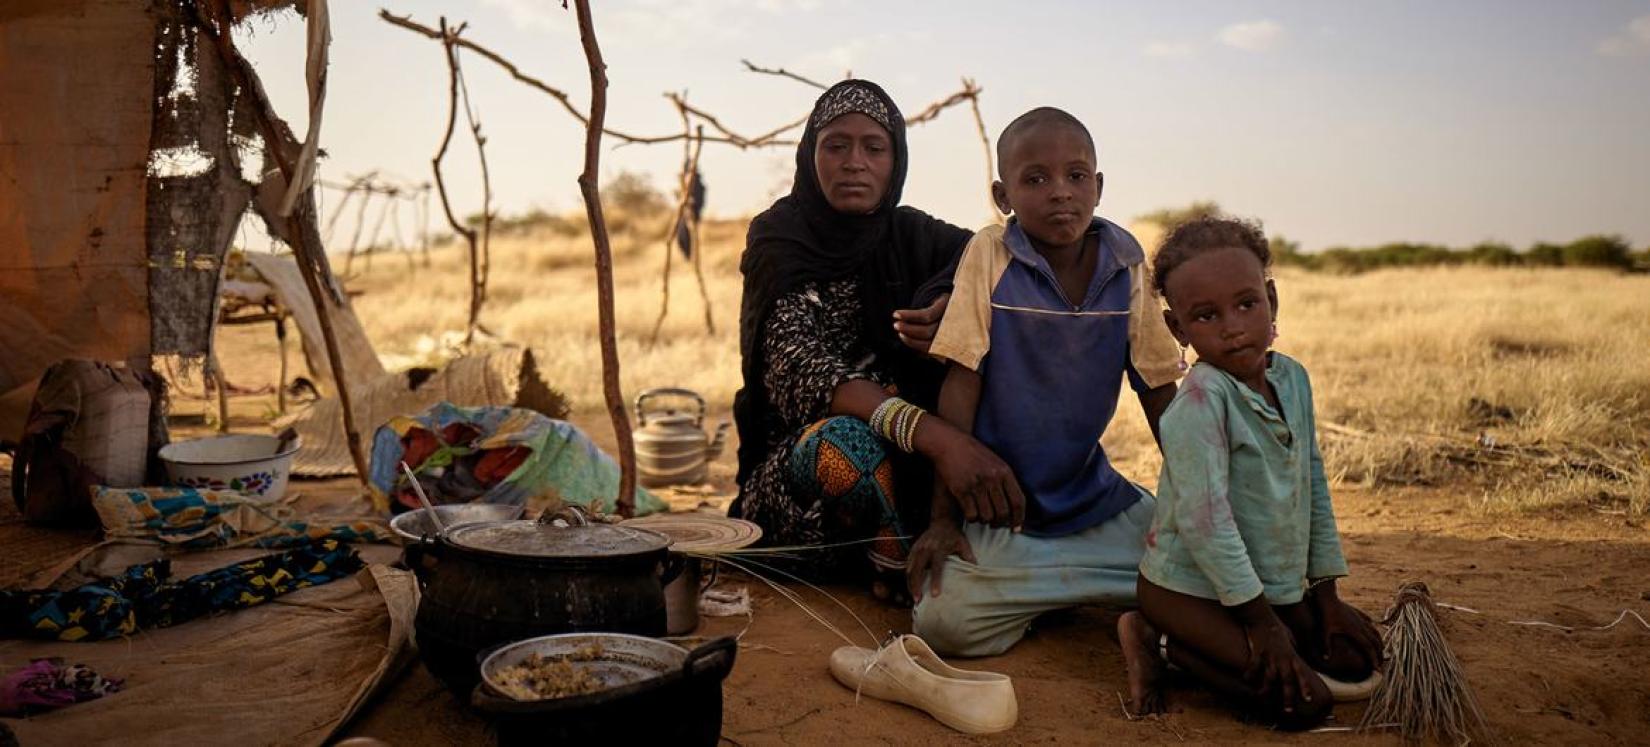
[{"x": 1206, "y": 234}]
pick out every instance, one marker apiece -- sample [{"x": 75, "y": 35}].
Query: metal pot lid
[{"x": 531, "y": 539}]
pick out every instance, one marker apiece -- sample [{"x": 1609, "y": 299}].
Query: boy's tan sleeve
[
  {"x": 1152, "y": 348},
  {"x": 964, "y": 335}
]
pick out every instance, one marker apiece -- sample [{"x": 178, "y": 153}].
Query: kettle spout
[{"x": 714, "y": 450}]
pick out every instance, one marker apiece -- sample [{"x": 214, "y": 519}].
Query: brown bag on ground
[{"x": 90, "y": 424}]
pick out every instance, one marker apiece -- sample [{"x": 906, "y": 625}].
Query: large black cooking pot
[{"x": 495, "y": 582}]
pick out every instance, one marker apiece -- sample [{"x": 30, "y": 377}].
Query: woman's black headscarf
[{"x": 899, "y": 255}]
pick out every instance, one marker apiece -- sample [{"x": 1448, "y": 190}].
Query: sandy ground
[{"x": 1537, "y": 684}]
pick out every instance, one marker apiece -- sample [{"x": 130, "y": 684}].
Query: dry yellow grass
[{"x": 1556, "y": 359}]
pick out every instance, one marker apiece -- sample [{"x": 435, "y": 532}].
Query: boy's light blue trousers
[{"x": 984, "y": 608}]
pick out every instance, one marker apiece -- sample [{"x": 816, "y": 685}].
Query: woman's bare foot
[{"x": 1139, "y": 643}]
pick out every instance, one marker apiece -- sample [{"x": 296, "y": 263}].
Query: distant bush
[
  {"x": 1170, "y": 218},
  {"x": 1598, "y": 251},
  {"x": 1610, "y": 252},
  {"x": 634, "y": 195},
  {"x": 1543, "y": 254},
  {"x": 1494, "y": 254},
  {"x": 1607, "y": 252}
]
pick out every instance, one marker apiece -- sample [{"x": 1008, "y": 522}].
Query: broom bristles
[{"x": 1425, "y": 691}]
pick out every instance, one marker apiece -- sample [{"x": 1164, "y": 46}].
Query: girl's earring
[
  {"x": 1183, "y": 365},
  {"x": 1274, "y": 331}
]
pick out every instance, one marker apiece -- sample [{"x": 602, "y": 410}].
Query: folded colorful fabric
[
  {"x": 493, "y": 455},
  {"x": 200, "y": 518},
  {"x": 141, "y": 598}
]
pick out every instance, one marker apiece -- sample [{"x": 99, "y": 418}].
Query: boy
[{"x": 1060, "y": 300}]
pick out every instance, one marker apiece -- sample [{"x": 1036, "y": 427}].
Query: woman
[{"x": 831, "y": 344}]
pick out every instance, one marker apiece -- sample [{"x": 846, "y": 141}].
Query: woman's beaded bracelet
[{"x": 895, "y": 420}]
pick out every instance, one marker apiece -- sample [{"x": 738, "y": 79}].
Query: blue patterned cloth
[{"x": 141, "y": 597}]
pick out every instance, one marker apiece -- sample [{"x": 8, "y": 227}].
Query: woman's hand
[
  {"x": 1341, "y": 620},
  {"x": 1274, "y": 667},
  {"x": 916, "y": 327},
  {"x": 942, "y": 540},
  {"x": 981, "y": 483}
]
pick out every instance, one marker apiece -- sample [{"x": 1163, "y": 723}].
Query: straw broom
[{"x": 1425, "y": 692}]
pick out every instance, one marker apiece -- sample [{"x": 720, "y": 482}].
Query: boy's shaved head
[{"x": 1032, "y": 120}]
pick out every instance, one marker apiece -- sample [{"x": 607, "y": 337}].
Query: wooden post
[
  {"x": 684, "y": 194},
  {"x": 449, "y": 46},
  {"x": 214, "y": 373},
  {"x": 604, "y": 261},
  {"x": 280, "y": 339},
  {"x": 693, "y": 239},
  {"x": 355, "y": 239},
  {"x": 302, "y": 224},
  {"x": 985, "y": 140}
]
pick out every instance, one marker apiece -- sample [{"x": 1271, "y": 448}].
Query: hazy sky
[{"x": 1334, "y": 123}]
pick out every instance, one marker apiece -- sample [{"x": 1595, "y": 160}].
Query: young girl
[{"x": 1237, "y": 585}]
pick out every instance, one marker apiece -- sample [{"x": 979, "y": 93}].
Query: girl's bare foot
[{"x": 1140, "y": 657}]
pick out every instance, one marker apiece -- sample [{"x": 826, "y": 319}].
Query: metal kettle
[{"x": 672, "y": 447}]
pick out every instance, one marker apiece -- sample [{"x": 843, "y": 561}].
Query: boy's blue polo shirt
[{"x": 1051, "y": 368}]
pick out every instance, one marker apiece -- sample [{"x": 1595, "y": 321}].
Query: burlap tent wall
[
  {"x": 73, "y": 193},
  {"x": 119, "y": 188}
]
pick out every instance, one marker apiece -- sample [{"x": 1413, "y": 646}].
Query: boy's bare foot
[
  {"x": 1139, "y": 643},
  {"x": 889, "y": 588}
]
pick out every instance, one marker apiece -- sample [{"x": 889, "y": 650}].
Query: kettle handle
[{"x": 641, "y": 399}]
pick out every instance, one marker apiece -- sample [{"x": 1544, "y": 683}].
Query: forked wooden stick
[
  {"x": 216, "y": 20},
  {"x": 626, "y": 502}
]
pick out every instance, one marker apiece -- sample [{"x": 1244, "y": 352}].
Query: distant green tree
[
  {"x": 1343, "y": 259},
  {"x": 1169, "y": 218},
  {"x": 1598, "y": 251},
  {"x": 1544, "y": 254},
  {"x": 633, "y": 194},
  {"x": 1286, "y": 252},
  {"x": 1494, "y": 254}
]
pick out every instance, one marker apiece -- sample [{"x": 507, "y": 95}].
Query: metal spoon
[{"x": 435, "y": 518}]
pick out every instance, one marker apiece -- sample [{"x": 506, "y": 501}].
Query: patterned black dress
[{"x": 825, "y": 480}]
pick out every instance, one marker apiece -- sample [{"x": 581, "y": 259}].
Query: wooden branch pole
[
  {"x": 448, "y": 45},
  {"x": 626, "y": 500},
  {"x": 933, "y": 110},
  {"x": 985, "y": 142},
  {"x": 693, "y": 237},
  {"x": 280, "y": 341},
  {"x": 355, "y": 239},
  {"x": 684, "y": 185},
  {"x": 338, "y": 210},
  {"x": 766, "y": 139},
  {"x": 302, "y": 224},
  {"x": 783, "y": 73},
  {"x": 483, "y": 266},
  {"x": 424, "y": 223},
  {"x": 567, "y": 103},
  {"x": 214, "y": 374}
]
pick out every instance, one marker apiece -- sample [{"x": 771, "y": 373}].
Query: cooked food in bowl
[{"x": 539, "y": 677}]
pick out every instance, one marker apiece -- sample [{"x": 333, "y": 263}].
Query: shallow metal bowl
[
  {"x": 625, "y": 659},
  {"x": 415, "y": 525}
]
